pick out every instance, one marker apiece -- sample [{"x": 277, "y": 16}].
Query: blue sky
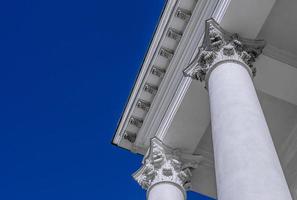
[{"x": 67, "y": 68}]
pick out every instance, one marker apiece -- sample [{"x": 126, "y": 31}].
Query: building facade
[{"x": 214, "y": 106}]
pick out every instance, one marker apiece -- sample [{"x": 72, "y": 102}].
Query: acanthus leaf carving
[
  {"x": 219, "y": 45},
  {"x": 164, "y": 164}
]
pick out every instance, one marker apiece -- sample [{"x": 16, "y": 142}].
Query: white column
[
  {"x": 165, "y": 190},
  {"x": 246, "y": 164},
  {"x": 164, "y": 174}
]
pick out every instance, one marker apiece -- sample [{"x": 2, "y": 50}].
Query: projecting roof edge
[
  {"x": 174, "y": 85},
  {"x": 180, "y": 57},
  {"x": 163, "y": 19}
]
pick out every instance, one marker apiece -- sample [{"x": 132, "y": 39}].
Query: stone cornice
[
  {"x": 164, "y": 164},
  {"x": 219, "y": 46},
  {"x": 173, "y": 78},
  {"x": 172, "y": 24}
]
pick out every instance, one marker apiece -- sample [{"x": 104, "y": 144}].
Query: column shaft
[
  {"x": 246, "y": 164},
  {"x": 165, "y": 191}
]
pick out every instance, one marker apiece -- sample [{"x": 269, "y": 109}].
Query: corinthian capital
[
  {"x": 219, "y": 46},
  {"x": 164, "y": 164}
]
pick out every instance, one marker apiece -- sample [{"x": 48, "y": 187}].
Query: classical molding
[
  {"x": 174, "y": 34},
  {"x": 158, "y": 71},
  {"x": 135, "y": 121},
  {"x": 166, "y": 53},
  {"x": 164, "y": 164},
  {"x": 174, "y": 79},
  {"x": 216, "y": 13},
  {"x": 183, "y": 14},
  {"x": 219, "y": 46},
  {"x": 280, "y": 55},
  {"x": 139, "y": 89},
  {"x": 130, "y": 136},
  {"x": 166, "y": 81},
  {"x": 144, "y": 105}
]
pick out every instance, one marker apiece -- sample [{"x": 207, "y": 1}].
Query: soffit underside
[{"x": 280, "y": 28}]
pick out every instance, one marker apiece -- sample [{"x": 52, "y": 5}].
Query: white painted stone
[
  {"x": 246, "y": 164},
  {"x": 165, "y": 191},
  {"x": 166, "y": 172}
]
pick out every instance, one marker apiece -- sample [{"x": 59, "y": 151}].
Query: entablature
[{"x": 166, "y": 49}]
